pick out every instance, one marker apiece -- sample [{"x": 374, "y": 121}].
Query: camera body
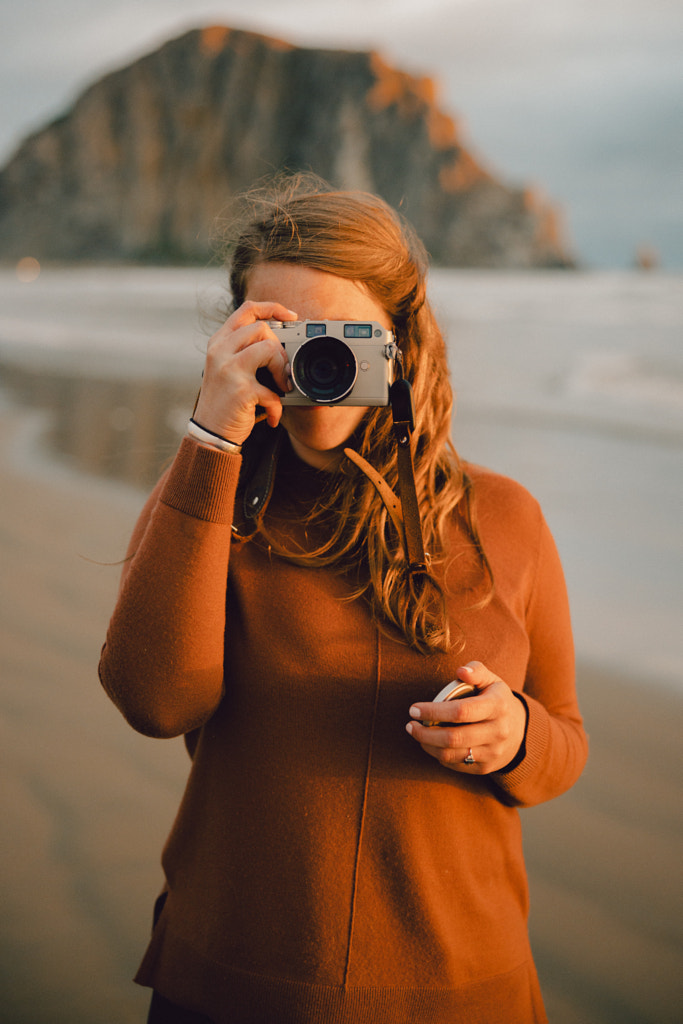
[{"x": 337, "y": 362}]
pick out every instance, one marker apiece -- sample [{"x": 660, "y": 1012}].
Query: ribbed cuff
[
  {"x": 536, "y": 741},
  {"x": 202, "y": 482}
]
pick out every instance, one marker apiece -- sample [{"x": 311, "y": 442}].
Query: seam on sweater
[{"x": 361, "y": 824}]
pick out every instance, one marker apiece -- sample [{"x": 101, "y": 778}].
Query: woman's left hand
[{"x": 489, "y": 725}]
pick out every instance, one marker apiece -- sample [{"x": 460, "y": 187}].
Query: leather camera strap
[
  {"x": 391, "y": 502},
  {"x": 403, "y": 410},
  {"x": 404, "y": 513}
]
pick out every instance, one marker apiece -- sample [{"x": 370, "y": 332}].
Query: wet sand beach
[{"x": 86, "y": 803}]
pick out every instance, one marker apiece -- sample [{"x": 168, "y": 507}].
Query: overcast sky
[{"x": 583, "y": 98}]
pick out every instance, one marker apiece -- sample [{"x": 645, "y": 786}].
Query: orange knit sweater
[{"x": 322, "y": 868}]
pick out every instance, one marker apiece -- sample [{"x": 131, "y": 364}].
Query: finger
[
  {"x": 476, "y": 673},
  {"x": 271, "y": 367},
  {"x": 250, "y": 312},
  {"x": 263, "y": 348},
  {"x": 463, "y": 709},
  {"x": 449, "y": 747},
  {"x": 233, "y": 337},
  {"x": 246, "y": 351},
  {"x": 265, "y": 352},
  {"x": 272, "y": 407},
  {"x": 454, "y": 737}
]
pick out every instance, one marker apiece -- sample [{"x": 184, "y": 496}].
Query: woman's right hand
[{"x": 230, "y": 391}]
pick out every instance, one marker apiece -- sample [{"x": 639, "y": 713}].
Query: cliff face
[{"x": 148, "y": 157}]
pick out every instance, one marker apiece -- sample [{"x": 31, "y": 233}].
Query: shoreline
[
  {"x": 125, "y": 427},
  {"x": 87, "y": 803},
  {"x": 116, "y": 426}
]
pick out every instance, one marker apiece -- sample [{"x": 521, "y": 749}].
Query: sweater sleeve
[
  {"x": 555, "y": 745},
  {"x": 162, "y": 661}
]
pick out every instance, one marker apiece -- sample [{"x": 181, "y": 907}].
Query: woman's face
[{"x": 317, "y": 433}]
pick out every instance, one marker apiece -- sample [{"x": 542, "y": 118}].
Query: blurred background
[
  {"x": 583, "y": 98},
  {"x": 569, "y": 379}
]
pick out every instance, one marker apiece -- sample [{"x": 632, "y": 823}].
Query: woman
[{"x": 337, "y": 856}]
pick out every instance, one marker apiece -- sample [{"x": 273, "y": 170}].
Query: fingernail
[
  {"x": 409, "y": 728},
  {"x": 415, "y": 712},
  {"x": 466, "y": 668}
]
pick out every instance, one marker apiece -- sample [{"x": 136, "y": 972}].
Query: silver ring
[{"x": 470, "y": 757}]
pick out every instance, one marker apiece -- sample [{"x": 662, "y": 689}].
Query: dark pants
[{"x": 163, "y": 1012}]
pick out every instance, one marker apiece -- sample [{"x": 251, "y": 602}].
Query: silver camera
[{"x": 337, "y": 362}]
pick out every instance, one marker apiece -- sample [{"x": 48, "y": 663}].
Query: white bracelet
[{"x": 214, "y": 440}]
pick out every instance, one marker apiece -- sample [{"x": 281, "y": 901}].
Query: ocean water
[{"x": 572, "y": 383}]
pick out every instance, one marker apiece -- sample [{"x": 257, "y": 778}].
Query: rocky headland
[{"x": 148, "y": 157}]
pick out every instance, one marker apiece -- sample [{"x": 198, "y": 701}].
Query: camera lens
[{"x": 324, "y": 370}]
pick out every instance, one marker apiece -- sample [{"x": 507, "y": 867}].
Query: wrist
[
  {"x": 209, "y": 437},
  {"x": 521, "y": 750}
]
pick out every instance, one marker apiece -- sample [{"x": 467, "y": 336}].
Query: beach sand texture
[{"x": 86, "y": 803}]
